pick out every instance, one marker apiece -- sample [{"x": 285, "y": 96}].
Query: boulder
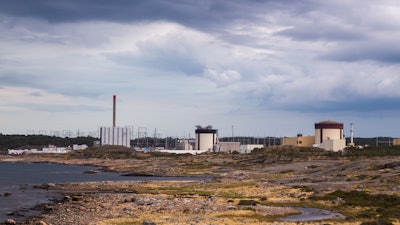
[
  {"x": 49, "y": 185},
  {"x": 77, "y": 198}
]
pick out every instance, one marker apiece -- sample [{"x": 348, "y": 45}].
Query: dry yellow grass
[{"x": 269, "y": 182}]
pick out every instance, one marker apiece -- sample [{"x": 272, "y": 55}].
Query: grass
[
  {"x": 365, "y": 206},
  {"x": 304, "y": 188},
  {"x": 227, "y": 217},
  {"x": 248, "y": 215},
  {"x": 374, "y": 151},
  {"x": 262, "y": 188},
  {"x": 248, "y": 202}
]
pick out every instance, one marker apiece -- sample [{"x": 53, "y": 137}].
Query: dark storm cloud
[
  {"x": 123, "y": 10},
  {"x": 200, "y": 14}
]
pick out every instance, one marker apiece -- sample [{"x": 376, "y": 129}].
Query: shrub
[{"x": 248, "y": 202}]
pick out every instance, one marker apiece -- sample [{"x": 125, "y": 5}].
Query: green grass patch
[
  {"x": 372, "y": 206},
  {"x": 373, "y": 151},
  {"x": 248, "y": 202},
  {"x": 230, "y": 194}
]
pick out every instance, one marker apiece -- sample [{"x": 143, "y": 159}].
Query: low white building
[
  {"x": 184, "y": 144},
  {"x": 79, "y": 147},
  {"x": 245, "y": 149},
  {"x": 43, "y": 151},
  {"x": 228, "y": 147},
  {"x": 48, "y": 149},
  {"x": 332, "y": 145},
  {"x": 193, "y": 152}
]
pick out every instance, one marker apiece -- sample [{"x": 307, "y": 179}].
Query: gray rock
[
  {"x": 128, "y": 208},
  {"x": 148, "y": 222},
  {"x": 51, "y": 185},
  {"x": 339, "y": 201}
]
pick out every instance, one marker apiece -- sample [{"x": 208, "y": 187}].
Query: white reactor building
[
  {"x": 329, "y": 135},
  {"x": 206, "y": 138}
]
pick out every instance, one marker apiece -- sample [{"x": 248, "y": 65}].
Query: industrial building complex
[
  {"x": 115, "y": 135},
  {"x": 329, "y": 135}
]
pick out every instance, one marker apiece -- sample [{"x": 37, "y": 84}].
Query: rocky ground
[{"x": 245, "y": 189}]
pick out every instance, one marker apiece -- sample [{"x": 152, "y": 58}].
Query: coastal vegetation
[
  {"x": 263, "y": 187},
  {"x": 376, "y": 208}
]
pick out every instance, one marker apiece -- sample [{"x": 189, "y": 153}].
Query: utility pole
[{"x": 233, "y": 140}]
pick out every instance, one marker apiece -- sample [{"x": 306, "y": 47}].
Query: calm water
[{"x": 17, "y": 179}]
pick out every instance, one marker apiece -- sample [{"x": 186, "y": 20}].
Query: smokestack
[
  {"x": 114, "y": 106},
  {"x": 351, "y": 132}
]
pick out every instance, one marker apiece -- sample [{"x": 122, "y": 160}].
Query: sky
[{"x": 248, "y": 68}]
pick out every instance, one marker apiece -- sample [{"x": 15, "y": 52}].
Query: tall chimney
[
  {"x": 114, "y": 105},
  {"x": 351, "y": 133}
]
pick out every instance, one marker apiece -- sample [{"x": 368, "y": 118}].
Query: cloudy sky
[{"x": 265, "y": 67}]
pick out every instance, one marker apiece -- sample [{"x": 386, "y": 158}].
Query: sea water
[{"x": 16, "y": 180}]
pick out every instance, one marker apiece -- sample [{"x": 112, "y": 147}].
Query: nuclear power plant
[{"x": 328, "y": 135}]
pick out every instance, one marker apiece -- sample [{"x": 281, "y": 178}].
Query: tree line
[{"x": 40, "y": 141}]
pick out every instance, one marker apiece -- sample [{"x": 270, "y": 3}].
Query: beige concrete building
[
  {"x": 396, "y": 141},
  {"x": 328, "y": 135},
  {"x": 299, "y": 141},
  {"x": 328, "y": 130}
]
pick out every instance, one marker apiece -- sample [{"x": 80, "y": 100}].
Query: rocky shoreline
[
  {"x": 244, "y": 190},
  {"x": 141, "y": 203}
]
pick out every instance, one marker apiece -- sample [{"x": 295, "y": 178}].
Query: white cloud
[
  {"x": 223, "y": 78},
  {"x": 315, "y": 58}
]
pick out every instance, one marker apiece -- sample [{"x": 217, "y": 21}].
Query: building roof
[{"x": 329, "y": 122}]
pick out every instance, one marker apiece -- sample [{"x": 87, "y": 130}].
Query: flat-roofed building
[
  {"x": 228, "y": 147},
  {"x": 299, "y": 141}
]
